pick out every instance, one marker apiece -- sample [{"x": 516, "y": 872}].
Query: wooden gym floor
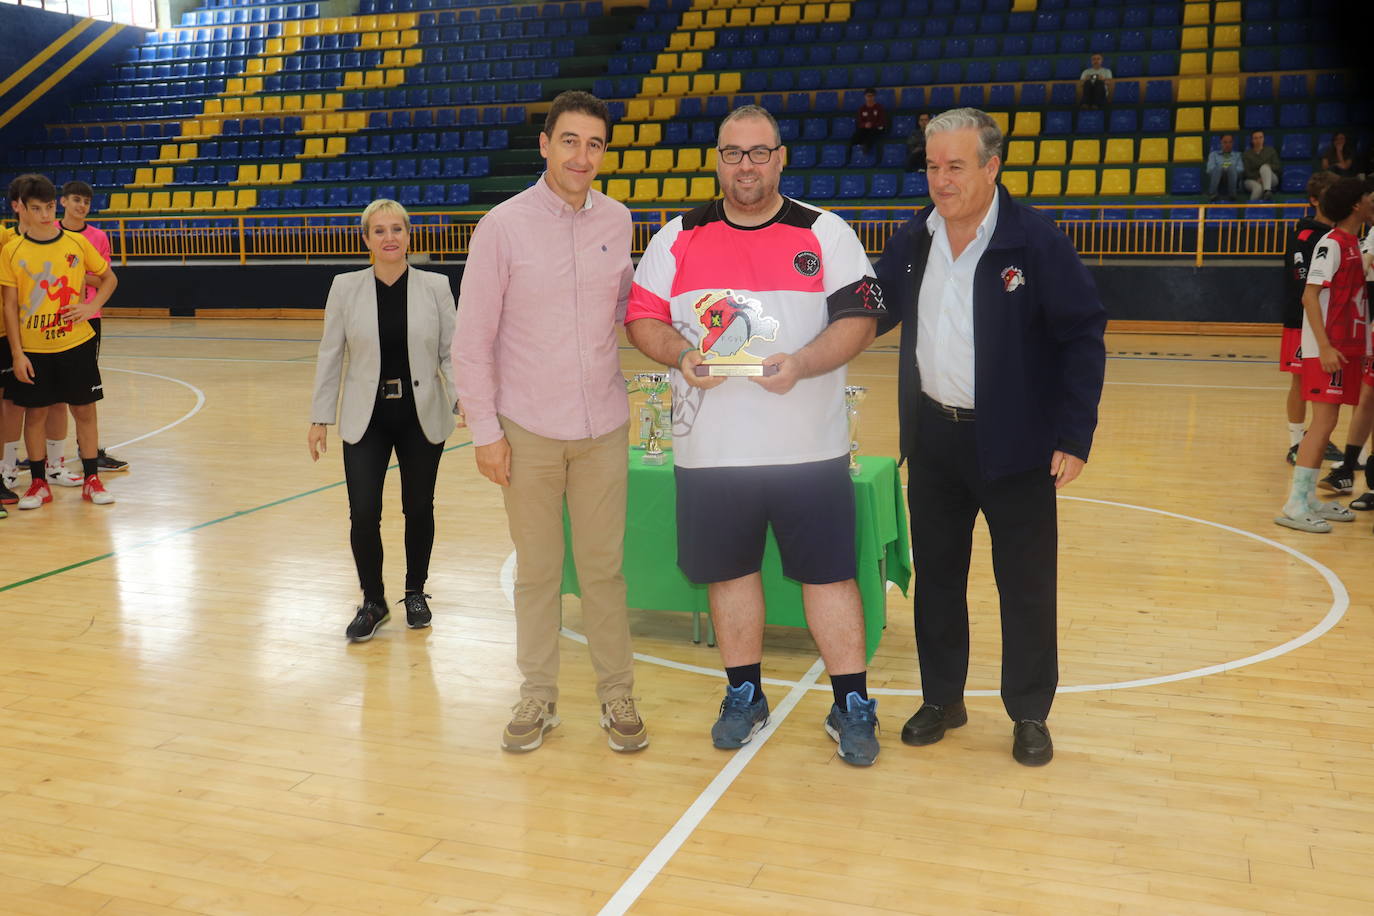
[{"x": 183, "y": 728}]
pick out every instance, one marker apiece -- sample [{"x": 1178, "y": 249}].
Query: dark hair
[
  {"x": 35, "y": 187},
  {"x": 17, "y": 185},
  {"x": 79, "y": 189},
  {"x": 577, "y": 100},
  {"x": 1318, "y": 183},
  {"x": 870, "y": 91},
  {"x": 1340, "y": 200}
]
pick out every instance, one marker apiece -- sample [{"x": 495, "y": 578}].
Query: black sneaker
[
  {"x": 1293, "y": 455},
  {"x": 7, "y": 496},
  {"x": 106, "y": 462},
  {"x": 1340, "y": 481},
  {"x": 1363, "y": 503},
  {"x": 417, "y": 610},
  {"x": 1334, "y": 454},
  {"x": 370, "y": 616}
]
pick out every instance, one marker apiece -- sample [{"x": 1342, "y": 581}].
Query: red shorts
[
  {"x": 1290, "y": 351},
  {"x": 1369, "y": 370},
  {"x": 1339, "y": 387}
]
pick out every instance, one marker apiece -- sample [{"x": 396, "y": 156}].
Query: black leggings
[{"x": 394, "y": 425}]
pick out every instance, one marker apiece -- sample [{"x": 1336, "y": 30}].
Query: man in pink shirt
[
  {"x": 538, "y": 374},
  {"x": 76, "y": 206}
]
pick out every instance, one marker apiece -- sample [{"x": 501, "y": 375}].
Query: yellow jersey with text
[{"x": 48, "y": 277}]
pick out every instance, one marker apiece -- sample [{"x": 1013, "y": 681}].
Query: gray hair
[
  {"x": 753, "y": 111},
  {"x": 385, "y": 205},
  {"x": 989, "y": 134}
]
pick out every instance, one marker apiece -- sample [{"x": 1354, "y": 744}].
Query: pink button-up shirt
[{"x": 543, "y": 292}]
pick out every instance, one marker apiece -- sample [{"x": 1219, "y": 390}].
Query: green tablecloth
[{"x": 653, "y": 580}]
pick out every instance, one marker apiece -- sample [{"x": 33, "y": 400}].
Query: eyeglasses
[{"x": 732, "y": 155}]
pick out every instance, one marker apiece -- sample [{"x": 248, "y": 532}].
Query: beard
[{"x": 749, "y": 196}]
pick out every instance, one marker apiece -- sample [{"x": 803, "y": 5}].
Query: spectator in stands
[
  {"x": 870, "y": 124},
  {"x": 1224, "y": 165},
  {"x": 1261, "y": 167},
  {"x": 916, "y": 144},
  {"x": 395, "y": 325},
  {"x": 1097, "y": 81},
  {"x": 1339, "y": 157}
]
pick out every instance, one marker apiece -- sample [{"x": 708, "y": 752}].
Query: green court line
[{"x": 172, "y": 534}]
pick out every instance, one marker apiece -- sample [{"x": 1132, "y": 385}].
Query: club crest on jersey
[
  {"x": 730, "y": 321},
  {"x": 807, "y": 263},
  {"x": 1012, "y": 278},
  {"x": 71, "y": 260}
]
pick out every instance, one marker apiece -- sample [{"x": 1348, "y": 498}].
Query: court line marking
[
  {"x": 200, "y": 402},
  {"x": 1340, "y": 603}
]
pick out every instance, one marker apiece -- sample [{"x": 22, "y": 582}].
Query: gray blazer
[{"x": 350, "y": 325}]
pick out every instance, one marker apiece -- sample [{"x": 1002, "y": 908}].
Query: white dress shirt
[{"x": 944, "y": 340}]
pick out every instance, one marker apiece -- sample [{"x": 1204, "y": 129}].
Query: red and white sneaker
[
  {"x": 94, "y": 491},
  {"x": 37, "y": 494},
  {"x": 59, "y": 475}
]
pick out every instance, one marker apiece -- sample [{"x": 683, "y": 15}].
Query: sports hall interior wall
[{"x": 1240, "y": 294}]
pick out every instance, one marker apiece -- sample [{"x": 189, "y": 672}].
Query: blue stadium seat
[
  {"x": 1064, "y": 94},
  {"x": 1296, "y": 146},
  {"x": 1059, "y": 122},
  {"x": 793, "y": 186},
  {"x": 1156, "y": 121},
  {"x": 833, "y": 156},
  {"x": 1123, "y": 121},
  {"x": 1185, "y": 180},
  {"x": 454, "y": 167},
  {"x": 821, "y": 187},
  {"x": 1258, "y": 117},
  {"x": 458, "y": 195},
  {"x": 884, "y": 185},
  {"x": 852, "y": 186},
  {"x": 1294, "y": 180},
  {"x": 1295, "y": 114}
]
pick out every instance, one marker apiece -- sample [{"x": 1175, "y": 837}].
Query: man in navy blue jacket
[{"x": 1001, "y": 366}]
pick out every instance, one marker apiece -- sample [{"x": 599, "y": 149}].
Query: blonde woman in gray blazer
[{"x": 395, "y": 324}]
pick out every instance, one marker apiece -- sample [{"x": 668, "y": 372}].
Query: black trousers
[
  {"x": 393, "y": 426},
  {"x": 945, "y": 493}
]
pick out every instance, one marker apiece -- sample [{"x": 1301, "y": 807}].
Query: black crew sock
[
  {"x": 38, "y": 468},
  {"x": 747, "y": 674},
  {"x": 1369, "y": 474},
  {"x": 90, "y": 467},
  {"x": 1352, "y": 459},
  {"x": 842, "y": 685}
]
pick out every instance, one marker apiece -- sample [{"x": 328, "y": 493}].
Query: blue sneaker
[
  {"x": 854, "y": 730},
  {"x": 741, "y": 717}
]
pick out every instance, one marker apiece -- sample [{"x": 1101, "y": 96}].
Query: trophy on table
[
  {"x": 654, "y": 422},
  {"x": 853, "y": 395}
]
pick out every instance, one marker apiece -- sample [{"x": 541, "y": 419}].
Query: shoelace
[
  {"x": 527, "y": 711},
  {"x": 412, "y": 598},
  {"x": 622, "y": 710}
]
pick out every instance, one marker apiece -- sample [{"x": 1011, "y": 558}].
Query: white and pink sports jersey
[
  {"x": 1338, "y": 268},
  {"x": 758, "y": 290},
  {"x": 101, "y": 243}
]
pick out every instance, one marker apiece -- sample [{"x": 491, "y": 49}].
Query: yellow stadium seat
[
  {"x": 610, "y": 162},
  {"x": 314, "y": 148},
  {"x": 1194, "y": 38},
  {"x": 253, "y": 65},
  {"x": 618, "y": 189},
  {"x": 353, "y": 79},
  {"x": 664, "y": 109},
  {"x": 1192, "y": 89},
  {"x": 1015, "y": 183},
  {"x": 140, "y": 202},
  {"x": 1188, "y": 149},
  {"x": 1192, "y": 62},
  {"x": 645, "y": 191},
  {"x": 330, "y": 26},
  {"x": 1047, "y": 183},
  {"x": 373, "y": 79},
  {"x": 203, "y": 200},
  {"x": 290, "y": 172},
  {"x": 119, "y": 203},
  {"x": 688, "y": 160},
  {"x": 389, "y": 40},
  {"x": 1225, "y": 61},
  {"x": 167, "y": 152},
  {"x": 665, "y": 63},
  {"x": 1119, "y": 150},
  {"x": 715, "y": 19},
  {"x": 1226, "y": 36},
  {"x": 386, "y": 21},
  {"x": 233, "y": 86},
  {"x": 333, "y": 123},
  {"x": 407, "y": 20},
  {"x": 160, "y": 201},
  {"x": 213, "y": 107},
  {"x": 1227, "y": 11},
  {"x": 291, "y": 27},
  {"x": 674, "y": 190},
  {"x": 1225, "y": 89},
  {"x": 1115, "y": 182},
  {"x": 650, "y": 134},
  {"x": 637, "y": 110},
  {"x": 1027, "y": 124},
  {"x": 633, "y": 162},
  {"x": 312, "y": 124},
  {"x": 355, "y": 120},
  {"x": 369, "y": 40},
  {"x": 1149, "y": 182},
  {"x": 1086, "y": 152},
  {"x": 247, "y": 199},
  {"x": 191, "y": 129},
  {"x": 1082, "y": 183},
  {"x": 728, "y": 83},
  {"x": 789, "y": 14},
  {"x": 1195, "y": 13},
  {"x": 703, "y": 41},
  {"x": 1052, "y": 152},
  {"x": 162, "y": 176},
  {"x": 623, "y": 135},
  {"x": 271, "y": 103},
  {"x": 1023, "y": 6},
  {"x": 1224, "y": 117},
  {"x": 660, "y": 160},
  {"x": 367, "y": 23},
  {"x": 269, "y": 173},
  {"x": 813, "y": 12},
  {"x": 181, "y": 200},
  {"x": 678, "y": 85},
  {"x": 738, "y": 18},
  {"x": 224, "y": 200},
  {"x": 334, "y": 146},
  {"x": 690, "y": 62},
  {"x": 413, "y": 57},
  {"x": 1020, "y": 152},
  {"x": 703, "y": 84},
  {"x": 712, "y": 159},
  {"x": 233, "y": 106},
  {"x": 701, "y": 188},
  {"x": 333, "y": 101},
  {"x": 1154, "y": 149},
  {"x": 1188, "y": 120},
  {"x": 392, "y": 58},
  {"x": 1003, "y": 120},
  {"x": 679, "y": 41},
  {"x": 652, "y": 86},
  {"x": 248, "y": 174},
  {"x": 837, "y": 12},
  {"x": 143, "y": 178},
  {"x": 692, "y": 19}
]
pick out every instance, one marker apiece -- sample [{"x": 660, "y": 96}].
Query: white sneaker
[
  {"x": 9, "y": 476},
  {"x": 93, "y": 491},
  {"x": 63, "y": 476}
]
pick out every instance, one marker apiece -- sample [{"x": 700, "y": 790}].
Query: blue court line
[{"x": 178, "y": 533}]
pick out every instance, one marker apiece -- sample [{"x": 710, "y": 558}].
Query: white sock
[
  {"x": 11, "y": 459},
  {"x": 55, "y": 447},
  {"x": 1295, "y": 432},
  {"x": 1303, "y": 493}
]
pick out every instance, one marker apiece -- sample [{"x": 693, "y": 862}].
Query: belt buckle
[{"x": 391, "y": 389}]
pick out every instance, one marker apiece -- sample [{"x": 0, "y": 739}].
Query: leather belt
[{"x": 957, "y": 414}]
